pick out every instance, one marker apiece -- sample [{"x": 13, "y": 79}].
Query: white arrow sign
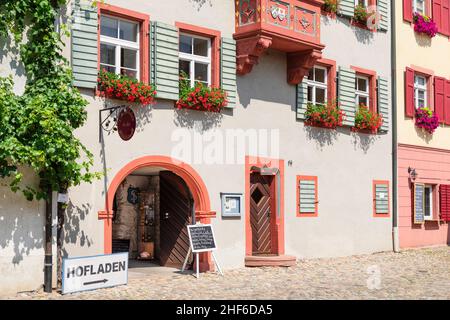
[{"x": 89, "y": 273}]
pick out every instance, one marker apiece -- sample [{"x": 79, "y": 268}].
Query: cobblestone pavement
[{"x": 412, "y": 274}]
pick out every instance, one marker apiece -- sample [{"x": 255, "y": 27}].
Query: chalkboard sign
[
  {"x": 419, "y": 206},
  {"x": 201, "y": 237}
]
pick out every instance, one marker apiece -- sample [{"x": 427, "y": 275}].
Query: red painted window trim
[
  {"x": 215, "y": 37},
  {"x": 381, "y": 215},
  {"x": 331, "y": 77},
  {"x": 372, "y": 75},
  {"x": 307, "y": 215},
  {"x": 143, "y": 20}
]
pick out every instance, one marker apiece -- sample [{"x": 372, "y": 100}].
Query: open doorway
[{"x": 152, "y": 208}]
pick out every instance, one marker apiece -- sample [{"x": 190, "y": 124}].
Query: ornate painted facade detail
[
  {"x": 289, "y": 26},
  {"x": 299, "y": 63},
  {"x": 248, "y": 51}
]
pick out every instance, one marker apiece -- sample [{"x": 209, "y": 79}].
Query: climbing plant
[{"x": 37, "y": 127}]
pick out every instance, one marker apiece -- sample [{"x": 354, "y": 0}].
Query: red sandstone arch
[{"x": 193, "y": 180}]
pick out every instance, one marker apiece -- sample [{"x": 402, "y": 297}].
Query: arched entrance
[{"x": 193, "y": 181}]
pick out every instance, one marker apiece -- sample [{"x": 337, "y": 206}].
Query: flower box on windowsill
[
  {"x": 330, "y": 8},
  {"x": 114, "y": 86},
  {"x": 367, "y": 121},
  {"x": 426, "y": 120},
  {"x": 327, "y": 116},
  {"x": 424, "y": 25},
  {"x": 201, "y": 97}
]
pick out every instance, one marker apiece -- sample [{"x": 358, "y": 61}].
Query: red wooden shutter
[
  {"x": 439, "y": 97},
  {"x": 409, "y": 92},
  {"x": 437, "y": 12},
  {"x": 407, "y": 10},
  {"x": 445, "y": 16},
  {"x": 444, "y": 191},
  {"x": 447, "y": 102}
]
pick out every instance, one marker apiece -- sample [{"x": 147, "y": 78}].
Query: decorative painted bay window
[{"x": 289, "y": 26}]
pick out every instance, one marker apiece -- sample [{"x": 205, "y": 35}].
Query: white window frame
[
  {"x": 193, "y": 58},
  {"x": 418, "y": 87},
  {"x": 315, "y": 84},
  {"x": 414, "y": 3},
  {"x": 125, "y": 44},
  {"x": 425, "y": 216},
  {"x": 359, "y": 93}
]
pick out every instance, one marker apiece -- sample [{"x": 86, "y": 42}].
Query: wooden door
[
  {"x": 175, "y": 215},
  {"x": 261, "y": 207}
]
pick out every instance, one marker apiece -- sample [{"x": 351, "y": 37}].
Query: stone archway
[{"x": 193, "y": 180}]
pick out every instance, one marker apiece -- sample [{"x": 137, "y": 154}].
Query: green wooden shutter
[
  {"x": 383, "y": 102},
  {"x": 307, "y": 196},
  {"x": 347, "y": 8},
  {"x": 383, "y": 10},
  {"x": 165, "y": 74},
  {"x": 228, "y": 70},
  {"x": 381, "y": 198},
  {"x": 302, "y": 99},
  {"x": 346, "y": 94},
  {"x": 84, "y": 42}
]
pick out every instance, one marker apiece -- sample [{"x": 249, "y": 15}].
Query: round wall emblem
[{"x": 126, "y": 124}]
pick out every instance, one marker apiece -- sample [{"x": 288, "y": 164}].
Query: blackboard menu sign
[
  {"x": 419, "y": 205},
  {"x": 201, "y": 237}
]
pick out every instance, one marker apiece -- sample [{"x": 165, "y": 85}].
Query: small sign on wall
[{"x": 232, "y": 204}]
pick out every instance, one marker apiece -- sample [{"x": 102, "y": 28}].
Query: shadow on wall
[
  {"x": 21, "y": 225},
  {"x": 422, "y": 40},
  {"x": 72, "y": 231},
  {"x": 200, "y": 3},
  {"x": 198, "y": 120},
  {"x": 363, "y": 141},
  {"x": 423, "y": 134},
  {"x": 362, "y": 35},
  {"x": 7, "y": 48},
  {"x": 267, "y": 82},
  {"x": 322, "y": 137}
]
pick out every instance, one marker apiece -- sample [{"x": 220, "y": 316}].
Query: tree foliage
[{"x": 37, "y": 127}]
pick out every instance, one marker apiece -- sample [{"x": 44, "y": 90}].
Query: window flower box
[
  {"x": 115, "y": 86},
  {"x": 367, "y": 121},
  {"x": 201, "y": 97},
  {"x": 361, "y": 15},
  {"x": 324, "y": 116},
  {"x": 426, "y": 119},
  {"x": 425, "y": 25}
]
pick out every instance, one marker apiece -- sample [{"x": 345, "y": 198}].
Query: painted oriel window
[
  {"x": 195, "y": 59},
  {"x": 317, "y": 85},
  {"x": 119, "y": 46}
]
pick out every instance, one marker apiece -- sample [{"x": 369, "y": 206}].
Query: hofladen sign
[{"x": 89, "y": 273}]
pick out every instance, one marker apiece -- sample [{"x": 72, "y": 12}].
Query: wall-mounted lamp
[{"x": 412, "y": 173}]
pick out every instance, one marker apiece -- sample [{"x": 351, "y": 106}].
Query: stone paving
[{"x": 411, "y": 274}]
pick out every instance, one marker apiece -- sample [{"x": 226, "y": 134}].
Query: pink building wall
[{"x": 433, "y": 167}]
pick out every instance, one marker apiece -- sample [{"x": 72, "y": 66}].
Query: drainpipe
[
  {"x": 395, "y": 239},
  {"x": 48, "y": 263}
]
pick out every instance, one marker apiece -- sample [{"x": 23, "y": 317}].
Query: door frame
[{"x": 277, "y": 224}]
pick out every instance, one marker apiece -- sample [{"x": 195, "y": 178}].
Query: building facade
[
  {"x": 423, "y": 156},
  {"x": 275, "y": 186}
]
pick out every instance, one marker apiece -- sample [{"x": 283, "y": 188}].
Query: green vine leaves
[{"x": 37, "y": 128}]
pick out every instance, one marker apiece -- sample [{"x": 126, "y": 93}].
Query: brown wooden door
[
  {"x": 261, "y": 207},
  {"x": 176, "y": 214}
]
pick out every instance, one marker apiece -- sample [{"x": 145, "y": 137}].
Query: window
[
  {"x": 420, "y": 91},
  {"x": 428, "y": 202},
  {"x": 362, "y": 91},
  {"x": 119, "y": 46},
  {"x": 362, "y": 3},
  {"x": 195, "y": 59},
  {"x": 307, "y": 196},
  {"x": 419, "y": 6},
  {"x": 317, "y": 85}
]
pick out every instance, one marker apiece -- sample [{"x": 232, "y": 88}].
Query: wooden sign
[
  {"x": 126, "y": 124},
  {"x": 419, "y": 205},
  {"x": 201, "y": 237}
]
